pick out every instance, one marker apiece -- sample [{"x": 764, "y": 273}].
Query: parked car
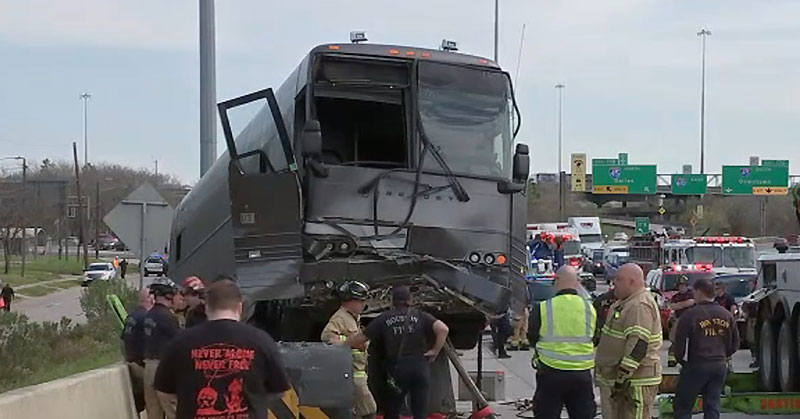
[
  {"x": 107, "y": 241},
  {"x": 595, "y": 264},
  {"x": 100, "y": 271},
  {"x": 155, "y": 265}
]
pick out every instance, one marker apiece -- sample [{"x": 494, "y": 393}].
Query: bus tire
[
  {"x": 768, "y": 358},
  {"x": 787, "y": 358}
]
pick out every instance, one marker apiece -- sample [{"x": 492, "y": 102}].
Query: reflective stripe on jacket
[
  {"x": 566, "y": 332},
  {"x": 341, "y": 326},
  {"x": 628, "y": 321}
]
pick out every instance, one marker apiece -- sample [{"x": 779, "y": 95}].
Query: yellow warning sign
[
  {"x": 769, "y": 190},
  {"x": 578, "y": 164},
  {"x": 610, "y": 189}
]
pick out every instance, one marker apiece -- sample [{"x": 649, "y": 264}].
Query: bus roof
[{"x": 407, "y": 52}]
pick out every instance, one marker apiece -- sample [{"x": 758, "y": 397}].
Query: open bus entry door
[{"x": 266, "y": 211}]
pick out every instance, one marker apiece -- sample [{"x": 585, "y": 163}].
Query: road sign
[
  {"x": 698, "y": 212},
  {"x": 623, "y": 158},
  {"x": 689, "y": 184},
  {"x": 749, "y": 180},
  {"x": 662, "y": 210},
  {"x": 599, "y": 162},
  {"x": 578, "y": 172},
  {"x": 754, "y": 160},
  {"x": 608, "y": 189},
  {"x": 778, "y": 163},
  {"x": 642, "y": 225},
  {"x": 630, "y": 179},
  {"x": 142, "y": 221},
  {"x": 769, "y": 190}
]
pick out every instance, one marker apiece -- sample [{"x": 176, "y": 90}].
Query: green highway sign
[
  {"x": 778, "y": 163},
  {"x": 623, "y": 158},
  {"x": 642, "y": 225},
  {"x": 689, "y": 185},
  {"x": 755, "y": 180},
  {"x": 604, "y": 162},
  {"x": 624, "y": 179}
]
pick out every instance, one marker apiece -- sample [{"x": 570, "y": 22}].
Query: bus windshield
[{"x": 466, "y": 114}]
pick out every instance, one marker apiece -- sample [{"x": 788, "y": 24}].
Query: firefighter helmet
[{"x": 353, "y": 290}]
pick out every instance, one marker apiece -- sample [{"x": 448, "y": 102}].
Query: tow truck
[{"x": 390, "y": 164}]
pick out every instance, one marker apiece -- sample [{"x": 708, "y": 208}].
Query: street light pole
[
  {"x": 496, "y": 28},
  {"x": 703, "y": 34},
  {"x": 85, "y": 97},
  {"x": 560, "y": 88}
]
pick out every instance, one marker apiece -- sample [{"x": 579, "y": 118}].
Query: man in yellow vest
[
  {"x": 562, "y": 329},
  {"x": 628, "y": 365},
  {"x": 343, "y": 324}
]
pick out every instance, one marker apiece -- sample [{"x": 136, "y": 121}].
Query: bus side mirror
[
  {"x": 522, "y": 164},
  {"x": 519, "y": 172},
  {"x": 312, "y": 148},
  {"x": 312, "y": 139}
]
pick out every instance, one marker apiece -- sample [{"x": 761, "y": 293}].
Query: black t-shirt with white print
[
  {"x": 222, "y": 369},
  {"x": 388, "y": 328}
]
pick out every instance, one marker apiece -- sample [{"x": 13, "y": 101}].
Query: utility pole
[
  {"x": 208, "y": 87},
  {"x": 156, "y": 170},
  {"x": 24, "y": 211},
  {"x": 560, "y": 88},
  {"x": 703, "y": 34},
  {"x": 763, "y": 214},
  {"x": 81, "y": 235},
  {"x": 496, "y": 28},
  {"x": 85, "y": 97},
  {"x": 97, "y": 220}
]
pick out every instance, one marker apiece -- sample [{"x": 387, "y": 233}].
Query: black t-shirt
[
  {"x": 387, "y": 332},
  {"x": 160, "y": 326},
  {"x": 222, "y": 369},
  {"x": 196, "y": 315},
  {"x": 133, "y": 335},
  {"x": 725, "y": 301}
]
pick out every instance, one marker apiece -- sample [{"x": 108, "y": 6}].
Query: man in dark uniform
[
  {"x": 679, "y": 303},
  {"x": 123, "y": 268},
  {"x": 160, "y": 327},
  {"x": 408, "y": 340},
  {"x": 193, "y": 292},
  {"x": 722, "y": 297},
  {"x": 712, "y": 338},
  {"x": 133, "y": 339},
  {"x": 601, "y": 305}
]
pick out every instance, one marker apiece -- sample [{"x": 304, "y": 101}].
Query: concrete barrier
[{"x": 98, "y": 394}]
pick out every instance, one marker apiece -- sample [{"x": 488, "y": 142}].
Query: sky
[{"x": 631, "y": 70}]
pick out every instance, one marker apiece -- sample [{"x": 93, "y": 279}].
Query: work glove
[{"x": 621, "y": 393}]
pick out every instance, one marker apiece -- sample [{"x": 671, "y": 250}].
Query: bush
[{"x": 37, "y": 352}]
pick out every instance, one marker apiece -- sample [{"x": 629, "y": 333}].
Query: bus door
[{"x": 266, "y": 204}]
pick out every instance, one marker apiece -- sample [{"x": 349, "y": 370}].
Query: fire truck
[{"x": 723, "y": 254}]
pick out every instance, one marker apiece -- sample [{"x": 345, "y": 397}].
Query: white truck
[{"x": 590, "y": 231}]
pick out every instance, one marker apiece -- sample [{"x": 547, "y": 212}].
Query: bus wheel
[
  {"x": 767, "y": 360},
  {"x": 787, "y": 358}
]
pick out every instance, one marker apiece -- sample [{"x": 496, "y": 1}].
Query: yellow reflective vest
[{"x": 566, "y": 332}]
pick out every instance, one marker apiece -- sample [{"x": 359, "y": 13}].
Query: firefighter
[
  {"x": 344, "y": 323},
  {"x": 562, "y": 329},
  {"x": 193, "y": 295},
  {"x": 519, "y": 340},
  {"x": 628, "y": 365},
  {"x": 679, "y": 303},
  {"x": 160, "y": 327},
  {"x": 712, "y": 337}
]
